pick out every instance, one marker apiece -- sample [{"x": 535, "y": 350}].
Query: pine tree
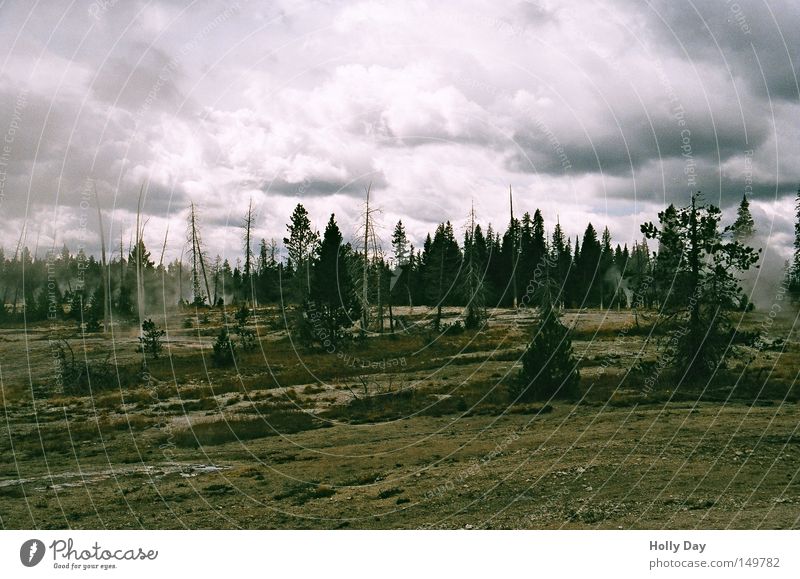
[
  {"x": 560, "y": 263},
  {"x": 744, "y": 227},
  {"x": 333, "y": 305},
  {"x": 604, "y": 274},
  {"x": 403, "y": 257},
  {"x": 474, "y": 273},
  {"x": 794, "y": 266},
  {"x": 268, "y": 275},
  {"x": 442, "y": 268},
  {"x": 302, "y": 247},
  {"x": 539, "y": 241},
  {"x": 549, "y": 368},
  {"x": 150, "y": 338},
  {"x": 509, "y": 259},
  {"x": 588, "y": 265},
  {"x": 527, "y": 261},
  {"x": 703, "y": 289}
]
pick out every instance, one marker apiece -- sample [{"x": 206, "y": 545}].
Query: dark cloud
[
  {"x": 436, "y": 105},
  {"x": 756, "y": 40}
]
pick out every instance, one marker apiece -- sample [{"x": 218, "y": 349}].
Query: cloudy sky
[{"x": 591, "y": 110}]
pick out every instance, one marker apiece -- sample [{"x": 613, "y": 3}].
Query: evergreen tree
[
  {"x": 333, "y": 304},
  {"x": 606, "y": 279},
  {"x": 704, "y": 286},
  {"x": 794, "y": 266},
  {"x": 302, "y": 247},
  {"x": 223, "y": 349},
  {"x": 549, "y": 367},
  {"x": 474, "y": 274},
  {"x": 588, "y": 266},
  {"x": 399, "y": 287},
  {"x": 527, "y": 261},
  {"x": 539, "y": 242},
  {"x": 509, "y": 259},
  {"x": 495, "y": 286},
  {"x": 147, "y": 262},
  {"x": 441, "y": 269},
  {"x": 268, "y": 278},
  {"x": 560, "y": 263},
  {"x": 247, "y": 337},
  {"x": 744, "y": 227},
  {"x": 423, "y": 263},
  {"x": 150, "y": 339}
]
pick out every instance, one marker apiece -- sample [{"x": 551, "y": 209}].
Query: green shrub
[
  {"x": 150, "y": 340},
  {"x": 224, "y": 349}
]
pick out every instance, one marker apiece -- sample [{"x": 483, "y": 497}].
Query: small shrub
[
  {"x": 549, "y": 367},
  {"x": 150, "y": 340},
  {"x": 301, "y": 493},
  {"x": 247, "y": 337},
  {"x": 454, "y": 329},
  {"x": 78, "y": 378},
  {"x": 224, "y": 349}
]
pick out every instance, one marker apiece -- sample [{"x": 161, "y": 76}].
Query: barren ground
[{"x": 410, "y": 431}]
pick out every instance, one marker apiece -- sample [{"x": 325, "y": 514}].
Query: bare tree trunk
[
  {"x": 18, "y": 259},
  {"x": 197, "y": 257},
  {"x": 380, "y": 297},
  {"x": 164, "y": 247},
  {"x": 391, "y": 317},
  {"x": 104, "y": 276},
  {"x": 513, "y": 246},
  {"x": 139, "y": 282},
  {"x": 180, "y": 277},
  {"x": 248, "y": 265},
  {"x": 139, "y": 278},
  {"x": 365, "y": 299}
]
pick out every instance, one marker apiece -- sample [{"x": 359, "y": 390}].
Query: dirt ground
[{"x": 411, "y": 431}]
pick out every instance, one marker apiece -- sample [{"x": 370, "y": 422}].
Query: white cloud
[{"x": 436, "y": 103}]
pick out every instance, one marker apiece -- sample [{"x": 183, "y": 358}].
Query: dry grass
[{"x": 240, "y": 429}]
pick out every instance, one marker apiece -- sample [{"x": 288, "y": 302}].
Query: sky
[{"x": 601, "y": 111}]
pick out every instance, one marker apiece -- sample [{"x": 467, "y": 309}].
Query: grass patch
[
  {"x": 239, "y": 429},
  {"x": 301, "y": 493}
]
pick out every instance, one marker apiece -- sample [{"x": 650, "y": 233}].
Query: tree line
[
  {"x": 687, "y": 265},
  {"x": 360, "y": 280}
]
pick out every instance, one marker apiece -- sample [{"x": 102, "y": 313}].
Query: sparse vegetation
[
  {"x": 150, "y": 340},
  {"x": 224, "y": 349},
  {"x": 278, "y": 423}
]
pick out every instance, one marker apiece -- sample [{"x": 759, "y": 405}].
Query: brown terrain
[{"x": 415, "y": 430}]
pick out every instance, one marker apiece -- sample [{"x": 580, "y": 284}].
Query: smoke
[
  {"x": 614, "y": 281},
  {"x": 765, "y": 285}
]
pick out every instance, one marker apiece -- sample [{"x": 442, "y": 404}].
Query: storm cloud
[{"x": 592, "y": 111}]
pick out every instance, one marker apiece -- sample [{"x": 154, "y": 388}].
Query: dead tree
[
  {"x": 248, "y": 254},
  {"x": 365, "y": 292},
  {"x": 103, "y": 265},
  {"x": 138, "y": 257},
  {"x": 197, "y": 259},
  {"x": 514, "y": 254},
  {"x": 373, "y": 257}
]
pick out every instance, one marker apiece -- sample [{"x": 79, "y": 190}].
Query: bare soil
[{"x": 416, "y": 430}]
